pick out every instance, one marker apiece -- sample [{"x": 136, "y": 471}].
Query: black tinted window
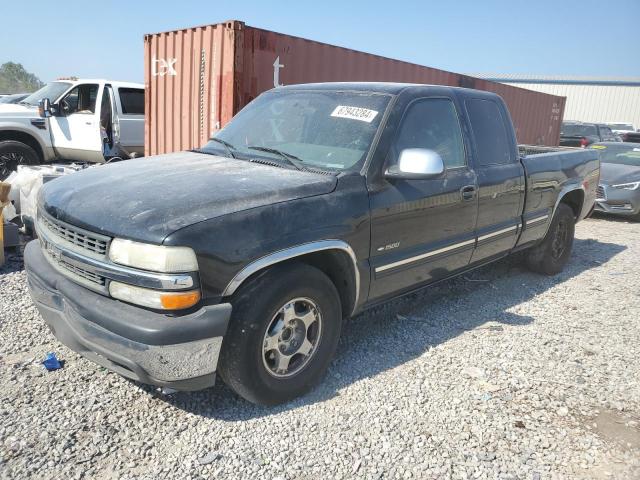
[
  {"x": 433, "y": 124},
  {"x": 132, "y": 101},
  {"x": 489, "y": 131}
]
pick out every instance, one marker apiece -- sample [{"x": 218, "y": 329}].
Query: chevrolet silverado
[{"x": 313, "y": 204}]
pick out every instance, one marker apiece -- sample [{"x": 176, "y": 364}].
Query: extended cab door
[
  {"x": 130, "y": 103},
  {"x": 75, "y": 129},
  {"x": 501, "y": 180},
  {"x": 423, "y": 230}
]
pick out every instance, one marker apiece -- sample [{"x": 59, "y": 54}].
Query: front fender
[
  {"x": 41, "y": 137},
  {"x": 233, "y": 247}
]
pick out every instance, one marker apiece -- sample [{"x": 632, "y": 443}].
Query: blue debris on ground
[{"x": 52, "y": 363}]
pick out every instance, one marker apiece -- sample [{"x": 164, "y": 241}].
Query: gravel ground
[{"x": 498, "y": 374}]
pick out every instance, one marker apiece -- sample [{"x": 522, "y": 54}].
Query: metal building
[{"x": 589, "y": 99}]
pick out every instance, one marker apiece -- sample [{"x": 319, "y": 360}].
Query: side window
[
  {"x": 132, "y": 101},
  {"x": 489, "y": 132},
  {"x": 81, "y": 99},
  {"x": 606, "y": 132},
  {"x": 433, "y": 123}
]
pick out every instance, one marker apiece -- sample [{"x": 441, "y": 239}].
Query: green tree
[{"x": 15, "y": 79}]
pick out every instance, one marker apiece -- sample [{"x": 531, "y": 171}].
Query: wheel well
[
  {"x": 25, "y": 138},
  {"x": 335, "y": 264},
  {"x": 575, "y": 200}
]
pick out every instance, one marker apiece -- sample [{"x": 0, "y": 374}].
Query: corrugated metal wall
[
  {"x": 536, "y": 117},
  {"x": 594, "y": 103},
  {"x": 198, "y": 78},
  {"x": 189, "y": 81}
]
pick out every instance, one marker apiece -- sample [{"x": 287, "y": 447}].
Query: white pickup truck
[{"x": 80, "y": 120}]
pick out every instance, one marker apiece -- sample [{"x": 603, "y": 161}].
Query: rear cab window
[
  {"x": 491, "y": 138},
  {"x": 131, "y": 100},
  {"x": 574, "y": 129}
]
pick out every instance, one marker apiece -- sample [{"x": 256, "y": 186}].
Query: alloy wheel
[
  {"x": 292, "y": 337},
  {"x": 9, "y": 163}
]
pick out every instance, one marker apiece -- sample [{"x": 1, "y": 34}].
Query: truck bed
[{"x": 549, "y": 175}]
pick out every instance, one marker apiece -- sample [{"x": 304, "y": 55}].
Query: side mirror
[
  {"x": 416, "y": 164},
  {"x": 45, "y": 109}
]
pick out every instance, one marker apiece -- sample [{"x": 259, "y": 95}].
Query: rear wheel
[
  {"x": 552, "y": 254},
  {"x": 283, "y": 333},
  {"x": 12, "y": 154}
]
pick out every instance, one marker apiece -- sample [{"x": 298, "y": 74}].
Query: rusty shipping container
[{"x": 197, "y": 78}]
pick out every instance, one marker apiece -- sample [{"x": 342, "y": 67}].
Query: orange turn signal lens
[
  {"x": 179, "y": 300},
  {"x": 157, "y": 299}
]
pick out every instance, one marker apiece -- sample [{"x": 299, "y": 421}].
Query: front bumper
[
  {"x": 179, "y": 352},
  {"x": 618, "y": 201}
]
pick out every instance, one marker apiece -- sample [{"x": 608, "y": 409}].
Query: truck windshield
[
  {"x": 330, "y": 130},
  {"x": 51, "y": 91}
]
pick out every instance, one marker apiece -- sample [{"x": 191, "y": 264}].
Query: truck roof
[
  {"x": 392, "y": 88},
  {"x": 100, "y": 80}
]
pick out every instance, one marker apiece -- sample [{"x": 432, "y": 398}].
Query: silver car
[{"x": 619, "y": 188}]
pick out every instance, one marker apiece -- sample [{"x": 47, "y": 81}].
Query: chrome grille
[
  {"x": 600, "y": 193},
  {"x": 72, "y": 271},
  {"x": 88, "y": 242},
  {"x": 80, "y": 272}
]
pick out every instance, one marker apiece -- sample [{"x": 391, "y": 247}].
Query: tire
[
  {"x": 12, "y": 154},
  {"x": 551, "y": 255},
  {"x": 276, "y": 312}
]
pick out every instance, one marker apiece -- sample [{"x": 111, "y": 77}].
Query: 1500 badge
[{"x": 390, "y": 246}]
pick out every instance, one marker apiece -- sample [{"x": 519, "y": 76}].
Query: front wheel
[
  {"x": 283, "y": 333},
  {"x": 12, "y": 154},
  {"x": 551, "y": 255}
]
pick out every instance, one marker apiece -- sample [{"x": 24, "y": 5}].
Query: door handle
[{"x": 468, "y": 193}]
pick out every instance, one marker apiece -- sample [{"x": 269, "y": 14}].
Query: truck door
[
  {"x": 501, "y": 181},
  {"x": 130, "y": 102},
  {"x": 423, "y": 230},
  {"x": 75, "y": 130}
]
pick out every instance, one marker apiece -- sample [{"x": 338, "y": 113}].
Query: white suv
[{"x": 80, "y": 120}]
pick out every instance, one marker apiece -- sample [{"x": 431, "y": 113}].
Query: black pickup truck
[
  {"x": 314, "y": 203},
  {"x": 578, "y": 134}
]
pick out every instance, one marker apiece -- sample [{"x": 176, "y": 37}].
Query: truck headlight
[
  {"x": 156, "y": 299},
  {"x": 627, "y": 186},
  {"x": 156, "y": 258}
]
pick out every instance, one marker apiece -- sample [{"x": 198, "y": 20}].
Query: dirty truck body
[{"x": 314, "y": 203}]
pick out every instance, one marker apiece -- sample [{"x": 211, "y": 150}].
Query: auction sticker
[{"x": 354, "y": 113}]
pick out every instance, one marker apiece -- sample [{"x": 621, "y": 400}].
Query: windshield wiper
[
  {"x": 292, "y": 159},
  {"x": 230, "y": 148}
]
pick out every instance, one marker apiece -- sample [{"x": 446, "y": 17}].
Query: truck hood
[
  {"x": 150, "y": 198},
  {"x": 613, "y": 173},
  {"x": 15, "y": 110}
]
